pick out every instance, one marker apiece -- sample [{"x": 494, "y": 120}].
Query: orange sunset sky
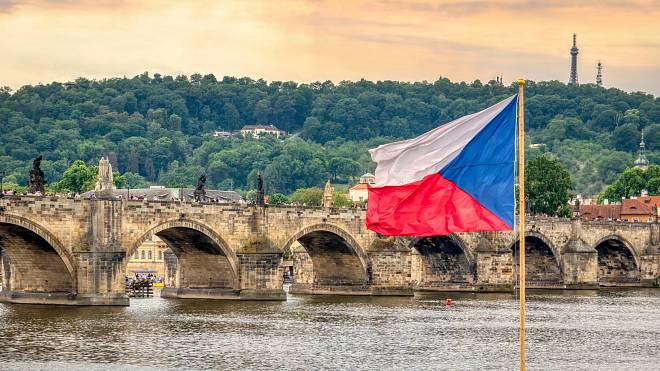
[{"x": 46, "y": 40}]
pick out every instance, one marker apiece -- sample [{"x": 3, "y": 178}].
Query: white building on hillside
[
  {"x": 360, "y": 191},
  {"x": 256, "y": 130}
]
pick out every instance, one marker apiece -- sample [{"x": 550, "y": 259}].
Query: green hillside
[{"x": 157, "y": 127}]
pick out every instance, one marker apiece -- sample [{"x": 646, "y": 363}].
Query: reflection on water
[{"x": 612, "y": 329}]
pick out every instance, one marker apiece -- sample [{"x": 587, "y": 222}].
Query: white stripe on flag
[{"x": 411, "y": 160}]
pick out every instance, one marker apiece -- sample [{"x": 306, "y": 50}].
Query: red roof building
[{"x": 640, "y": 209}]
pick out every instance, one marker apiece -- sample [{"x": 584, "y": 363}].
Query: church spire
[
  {"x": 573, "y": 80},
  {"x": 641, "y": 161}
]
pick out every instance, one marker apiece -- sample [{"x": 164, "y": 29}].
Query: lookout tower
[
  {"x": 573, "y": 80},
  {"x": 599, "y": 74}
]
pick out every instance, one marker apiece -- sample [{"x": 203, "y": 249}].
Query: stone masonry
[{"x": 75, "y": 251}]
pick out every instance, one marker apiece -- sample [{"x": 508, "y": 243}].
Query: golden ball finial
[{"x": 521, "y": 82}]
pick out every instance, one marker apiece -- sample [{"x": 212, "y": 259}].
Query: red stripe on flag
[{"x": 433, "y": 206}]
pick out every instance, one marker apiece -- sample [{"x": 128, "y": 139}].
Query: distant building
[
  {"x": 600, "y": 212},
  {"x": 636, "y": 209},
  {"x": 256, "y": 130},
  {"x": 360, "y": 191},
  {"x": 222, "y": 134},
  {"x": 148, "y": 258},
  {"x": 640, "y": 209}
]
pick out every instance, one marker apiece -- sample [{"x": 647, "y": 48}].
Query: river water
[{"x": 567, "y": 330}]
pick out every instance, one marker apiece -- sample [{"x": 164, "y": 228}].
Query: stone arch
[
  {"x": 458, "y": 241},
  {"x": 618, "y": 262},
  {"x": 332, "y": 257},
  {"x": 442, "y": 261},
  {"x": 543, "y": 264},
  {"x": 201, "y": 254},
  {"x": 35, "y": 260}
]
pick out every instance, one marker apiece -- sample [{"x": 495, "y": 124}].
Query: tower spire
[
  {"x": 599, "y": 77},
  {"x": 641, "y": 161},
  {"x": 573, "y": 80}
]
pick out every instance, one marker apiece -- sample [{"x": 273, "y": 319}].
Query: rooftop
[
  {"x": 260, "y": 126},
  {"x": 359, "y": 186}
]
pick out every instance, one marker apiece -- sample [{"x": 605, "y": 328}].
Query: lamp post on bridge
[{"x": 2, "y": 179}]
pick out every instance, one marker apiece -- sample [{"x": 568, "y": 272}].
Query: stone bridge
[{"x": 75, "y": 251}]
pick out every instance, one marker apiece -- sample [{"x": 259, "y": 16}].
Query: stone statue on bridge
[
  {"x": 105, "y": 182},
  {"x": 327, "y": 195},
  {"x": 36, "y": 181},
  {"x": 200, "y": 191}
]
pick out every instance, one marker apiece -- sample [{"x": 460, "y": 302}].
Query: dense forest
[{"x": 156, "y": 128}]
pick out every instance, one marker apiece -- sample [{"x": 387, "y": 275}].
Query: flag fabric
[{"x": 458, "y": 177}]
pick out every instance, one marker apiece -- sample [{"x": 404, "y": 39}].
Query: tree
[
  {"x": 547, "y": 186},
  {"x": 342, "y": 166},
  {"x": 118, "y": 180},
  {"x": 231, "y": 117},
  {"x": 78, "y": 178},
  {"x": 626, "y": 138},
  {"x": 278, "y": 199},
  {"x": 307, "y": 196},
  {"x": 251, "y": 196},
  {"x": 134, "y": 180},
  {"x": 262, "y": 111},
  {"x": 632, "y": 182},
  {"x": 341, "y": 200},
  {"x": 652, "y": 137}
]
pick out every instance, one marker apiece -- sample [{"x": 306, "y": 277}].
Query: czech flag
[{"x": 455, "y": 178}]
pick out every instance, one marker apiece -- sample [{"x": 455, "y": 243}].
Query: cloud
[
  {"x": 10, "y": 6},
  {"x": 7, "y": 5},
  {"x": 472, "y": 7},
  {"x": 46, "y": 40}
]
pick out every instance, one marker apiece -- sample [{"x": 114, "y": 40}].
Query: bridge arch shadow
[
  {"x": 203, "y": 259},
  {"x": 33, "y": 260},
  {"x": 444, "y": 263},
  {"x": 543, "y": 266},
  {"x": 332, "y": 260},
  {"x": 617, "y": 262}
]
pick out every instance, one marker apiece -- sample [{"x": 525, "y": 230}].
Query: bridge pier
[
  {"x": 390, "y": 270},
  {"x": 494, "y": 268},
  {"x": 580, "y": 270},
  {"x": 650, "y": 269},
  {"x": 260, "y": 276},
  {"x": 100, "y": 278}
]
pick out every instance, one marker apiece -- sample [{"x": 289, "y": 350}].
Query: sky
[{"x": 316, "y": 40}]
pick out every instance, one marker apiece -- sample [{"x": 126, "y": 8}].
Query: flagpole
[{"x": 521, "y": 220}]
